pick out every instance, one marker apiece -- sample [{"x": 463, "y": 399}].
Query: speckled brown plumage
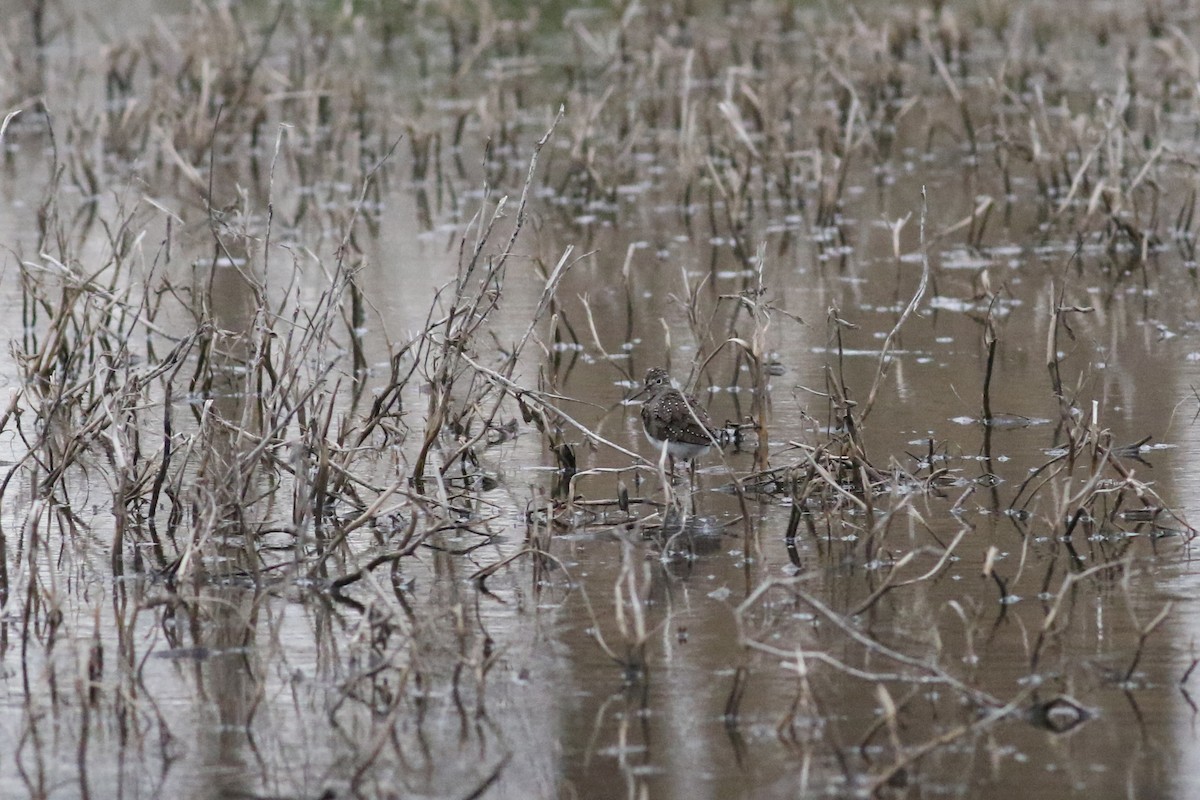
[{"x": 671, "y": 416}]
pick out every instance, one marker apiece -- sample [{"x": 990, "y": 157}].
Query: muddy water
[
  {"x": 442, "y": 690},
  {"x": 658, "y": 735}
]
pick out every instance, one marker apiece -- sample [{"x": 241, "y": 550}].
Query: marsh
[{"x": 321, "y": 477}]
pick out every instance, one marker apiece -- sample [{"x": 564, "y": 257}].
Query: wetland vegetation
[{"x": 321, "y": 474}]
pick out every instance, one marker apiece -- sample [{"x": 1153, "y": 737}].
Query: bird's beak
[{"x": 639, "y": 394}]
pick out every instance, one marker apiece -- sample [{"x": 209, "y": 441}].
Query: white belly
[{"x": 680, "y": 451}]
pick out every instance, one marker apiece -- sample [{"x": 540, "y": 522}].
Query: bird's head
[{"x": 656, "y": 378}]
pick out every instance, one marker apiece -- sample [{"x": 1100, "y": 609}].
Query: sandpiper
[{"x": 674, "y": 419}]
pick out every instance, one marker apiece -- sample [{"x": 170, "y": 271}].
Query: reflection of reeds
[
  {"x": 269, "y": 429},
  {"x": 228, "y": 413}
]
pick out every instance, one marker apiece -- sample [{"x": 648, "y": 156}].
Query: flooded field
[{"x": 324, "y": 471}]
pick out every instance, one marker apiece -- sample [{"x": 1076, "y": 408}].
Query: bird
[{"x": 674, "y": 419}]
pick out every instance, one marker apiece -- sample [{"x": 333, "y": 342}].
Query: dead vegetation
[{"x": 232, "y": 476}]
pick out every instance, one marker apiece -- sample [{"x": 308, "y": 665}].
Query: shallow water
[{"x": 250, "y": 676}]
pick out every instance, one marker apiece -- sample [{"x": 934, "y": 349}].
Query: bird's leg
[
  {"x": 692, "y": 487},
  {"x": 666, "y": 474}
]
